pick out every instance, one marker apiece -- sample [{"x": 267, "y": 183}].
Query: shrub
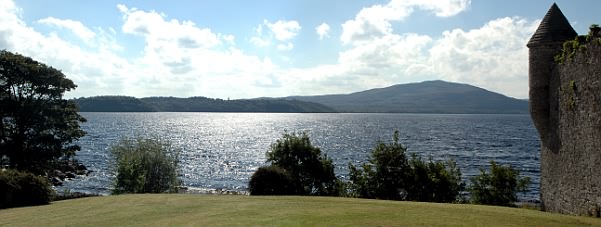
[
  {"x": 312, "y": 173},
  {"x": 386, "y": 174},
  {"x": 390, "y": 175},
  {"x": 19, "y": 188},
  {"x": 145, "y": 166},
  {"x": 434, "y": 181},
  {"x": 499, "y": 187},
  {"x": 271, "y": 180}
]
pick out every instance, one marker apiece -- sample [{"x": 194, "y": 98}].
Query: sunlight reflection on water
[{"x": 222, "y": 150}]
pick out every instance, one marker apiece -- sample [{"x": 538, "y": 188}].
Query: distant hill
[
  {"x": 195, "y": 104},
  {"x": 113, "y": 104},
  {"x": 424, "y": 97}
]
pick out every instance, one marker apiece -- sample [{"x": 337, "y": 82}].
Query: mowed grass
[{"x": 211, "y": 210}]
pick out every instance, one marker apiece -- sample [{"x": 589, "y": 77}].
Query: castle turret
[{"x": 543, "y": 46}]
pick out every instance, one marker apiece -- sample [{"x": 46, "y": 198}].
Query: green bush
[
  {"x": 391, "y": 175},
  {"x": 434, "y": 181},
  {"x": 312, "y": 173},
  {"x": 145, "y": 166},
  {"x": 385, "y": 176},
  {"x": 271, "y": 180},
  {"x": 499, "y": 187},
  {"x": 19, "y": 188}
]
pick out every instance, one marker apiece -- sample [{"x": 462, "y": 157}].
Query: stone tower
[
  {"x": 565, "y": 105},
  {"x": 546, "y": 42}
]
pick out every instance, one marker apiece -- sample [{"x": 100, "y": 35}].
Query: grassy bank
[{"x": 209, "y": 210}]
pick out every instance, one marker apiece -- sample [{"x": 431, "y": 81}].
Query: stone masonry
[{"x": 565, "y": 105}]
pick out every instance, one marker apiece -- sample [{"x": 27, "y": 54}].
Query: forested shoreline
[{"x": 196, "y": 104}]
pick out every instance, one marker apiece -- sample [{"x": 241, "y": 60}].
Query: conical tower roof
[{"x": 554, "y": 28}]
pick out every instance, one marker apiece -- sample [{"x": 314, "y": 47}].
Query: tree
[
  {"x": 389, "y": 174},
  {"x": 37, "y": 126},
  {"x": 385, "y": 176},
  {"x": 145, "y": 166},
  {"x": 434, "y": 181},
  {"x": 499, "y": 187},
  {"x": 312, "y": 173}
]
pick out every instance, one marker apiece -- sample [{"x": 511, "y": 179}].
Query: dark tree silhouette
[
  {"x": 311, "y": 171},
  {"x": 37, "y": 126},
  {"x": 389, "y": 174}
]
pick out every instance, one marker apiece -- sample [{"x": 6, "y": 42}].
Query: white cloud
[
  {"x": 375, "y": 21},
  {"x": 183, "y": 60},
  {"x": 158, "y": 30},
  {"x": 99, "y": 69},
  {"x": 259, "y": 40},
  {"x": 441, "y": 8},
  {"x": 179, "y": 58},
  {"x": 280, "y": 32},
  {"x": 493, "y": 56},
  {"x": 283, "y": 30},
  {"x": 76, "y": 27},
  {"x": 322, "y": 31}
]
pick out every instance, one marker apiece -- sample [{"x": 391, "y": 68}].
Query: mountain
[
  {"x": 196, "y": 104},
  {"x": 425, "y": 97}
]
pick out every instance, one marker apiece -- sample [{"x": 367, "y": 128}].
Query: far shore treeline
[
  {"x": 438, "y": 97},
  {"x": 196, "y": 104}
]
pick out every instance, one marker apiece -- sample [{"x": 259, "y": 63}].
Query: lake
[{"x": 222, "y": 150}]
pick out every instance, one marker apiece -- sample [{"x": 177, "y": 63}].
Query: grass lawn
[{"x": 212, "y": 210}]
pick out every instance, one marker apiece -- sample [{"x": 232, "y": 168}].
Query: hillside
[
  {"x": 195, "y": 104},
  {"x": 424, "y": 97},
  {"x": 113, "y": 104}
]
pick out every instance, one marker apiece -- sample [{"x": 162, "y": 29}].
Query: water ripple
[{"x": 222, "y": 150}]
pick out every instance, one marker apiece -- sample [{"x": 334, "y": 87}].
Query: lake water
[{"x": 222, "y": 150}]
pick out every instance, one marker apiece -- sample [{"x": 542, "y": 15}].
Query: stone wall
[{"x": 571, "y": 164}]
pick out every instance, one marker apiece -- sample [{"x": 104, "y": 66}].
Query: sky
[{"x": 268, "y": 48}]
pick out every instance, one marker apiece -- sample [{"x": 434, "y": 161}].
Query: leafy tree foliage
[
  {"x": 37, "y": 126},
  {"x": 391, "y": 175},
  {"x": 385, "y": 176},
  {"x": 145, "y": 166},
  {"x": 499, "y": 187},
  {"x": 271, "y": 180},
  {"x": 312, "y": 173},
  {"x": 434, "y": 181}
]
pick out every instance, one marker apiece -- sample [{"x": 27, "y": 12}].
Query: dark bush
[
  {"x": 271, "y": 180},
  {"x": 386, "y": 176},
  {"x": 145, "y": 166},
  {"x": 311, "y": 172},
  {"x": 23, "y": 189},
  {"x": 390, "y": 175},
  {"x": 499, "y": 187},
  {"x": 434, "y": 181}
]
